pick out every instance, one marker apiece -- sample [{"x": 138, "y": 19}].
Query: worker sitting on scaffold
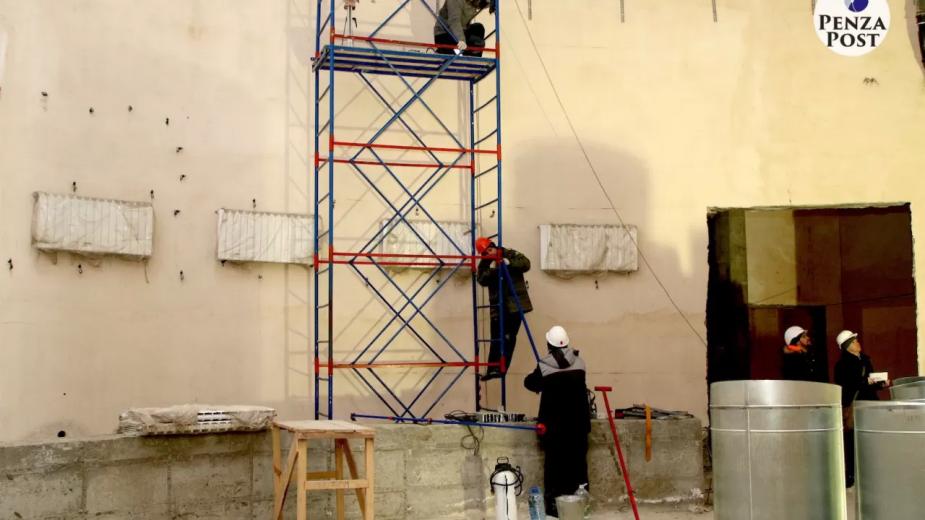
[
  {"x": 457, "y": 16},
  {"x": 514, "y": 265}
]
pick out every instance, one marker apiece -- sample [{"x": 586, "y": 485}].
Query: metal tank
[
  {"x": 908, "y": 389},
  {"x": 890, "y": 447},
  {"x": 910, "y": 379},
  {"x": 777, "y": 451}
]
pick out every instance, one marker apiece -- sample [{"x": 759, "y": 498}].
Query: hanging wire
[{"x": 600, "y": 183}]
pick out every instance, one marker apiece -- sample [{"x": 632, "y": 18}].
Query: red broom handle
[{"x": 616, "y": 440}]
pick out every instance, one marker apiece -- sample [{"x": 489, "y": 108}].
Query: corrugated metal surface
[
  {"x": 575, "y": 248},
  {"x": 92, "y": 226},
  {"x": 400, "y": 238},
  {"x": 257, "y": 236}
]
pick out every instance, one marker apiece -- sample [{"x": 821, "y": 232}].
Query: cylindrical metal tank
[
  {"x": 911, "y": 379},
  {"x": 890, "y": 446},
  {"x": 777, "y": 451},
  {"x": 908, "y": 389}
]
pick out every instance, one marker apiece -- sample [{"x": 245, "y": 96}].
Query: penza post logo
[{"x": 851, "y": 27}]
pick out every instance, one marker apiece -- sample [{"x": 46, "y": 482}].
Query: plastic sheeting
[
  {"x": 574, "y": 248},
  {"x": 454, "y": 239},
  {"x": 195, "y": 418},
  {"x": 92, "y": 226},
  {"x": 258, "y": 236}
]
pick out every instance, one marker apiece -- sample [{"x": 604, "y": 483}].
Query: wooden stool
[{"x": 297, "y": 465}]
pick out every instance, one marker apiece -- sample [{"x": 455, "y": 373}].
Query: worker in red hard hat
[
  {"x": 560, "y": 379},
  {"x": 487, "y": 275}
]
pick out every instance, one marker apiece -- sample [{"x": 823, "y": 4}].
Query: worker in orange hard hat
[{"x": 487, "y": 275}]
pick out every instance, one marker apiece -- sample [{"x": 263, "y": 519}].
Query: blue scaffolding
[{"x": 363, "y": 57}]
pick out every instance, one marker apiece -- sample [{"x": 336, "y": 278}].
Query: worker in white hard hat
[
  {"x": 799, "y": 363},
  {"x": 853, "y": 374},
  {"x": 560, "y": 380}
]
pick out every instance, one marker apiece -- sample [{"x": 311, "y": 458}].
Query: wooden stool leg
[
  {"x": 354, "y": 474},
  {"x": 301, "y": 475},
  {"x": 285, "y": 478},
  {"x": 368, "y": 513},
  {"x": 339, "y": 446}
]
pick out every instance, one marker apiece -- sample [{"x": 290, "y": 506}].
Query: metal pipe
[
  {"x": 890, "y": 454},
  {"x": 777, "y": 446}
]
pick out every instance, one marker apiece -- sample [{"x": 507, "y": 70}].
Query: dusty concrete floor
[{"x": 648, "y": 514}]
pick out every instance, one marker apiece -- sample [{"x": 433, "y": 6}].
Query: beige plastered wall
[{"x": 678, "y": 114}]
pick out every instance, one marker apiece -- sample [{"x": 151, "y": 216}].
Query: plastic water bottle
[
  {"x": 585, "y": 499},
  {"x": 536, "y": 504}
]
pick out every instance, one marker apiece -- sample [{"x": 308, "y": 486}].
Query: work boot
[{"x": 492, "y": 373}]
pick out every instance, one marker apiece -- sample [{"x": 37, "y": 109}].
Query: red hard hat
[{"x": 481, "y": 244}]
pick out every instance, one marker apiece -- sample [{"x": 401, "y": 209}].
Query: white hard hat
[
  {"x": 557, "y": 337},
  {"x": 844, "y": 336},
  {"x": 792, "y": 333}
]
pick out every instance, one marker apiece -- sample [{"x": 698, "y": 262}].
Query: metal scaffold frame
[{"x": 363, "y": 57}]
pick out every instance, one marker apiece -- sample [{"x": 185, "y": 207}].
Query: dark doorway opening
[{"x": 824, "y": 269}]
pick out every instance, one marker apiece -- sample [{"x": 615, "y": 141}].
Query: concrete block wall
[{"x": 423, "y": 472}]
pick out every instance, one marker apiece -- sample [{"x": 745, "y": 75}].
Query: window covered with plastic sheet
[
  {"x": 260, "y": 236},
  {"x": 92, "y": 226},
  {"x": 567, "y": 249},
  {"x": 424, "y": 237}
]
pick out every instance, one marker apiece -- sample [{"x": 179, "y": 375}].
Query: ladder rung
[
  {"x": 486, "y": 104},
  {"x": 480, "y": 141},
  {"x": 327, "y": 19},
  {"x": 323, "y": 341},
  {"x": 486, "y": 172},
  {"x": 325, "y": 379},
  {"x": 323, "y": 305},
  {"x": 322, "y": 414},
  {"x": 489, "y": 203},
  {"x": 325, "y": 270},
  {"x": 323, "y": 197},
  {"x": 325, "y": 91}
]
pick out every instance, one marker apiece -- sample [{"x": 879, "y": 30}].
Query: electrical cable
[
  {"x": 600, "y": 183},
  {"x": 476, "y": 443}
]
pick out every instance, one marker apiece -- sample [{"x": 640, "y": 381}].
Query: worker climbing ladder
[{"x": 419, "y": 162}]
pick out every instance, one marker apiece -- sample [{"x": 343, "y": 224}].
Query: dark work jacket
[
  {"x": 517, "y": 265},
  {"x": 851, "y": 373},
  {"x": 563, "y": 398},
  {"x": 799, "y": 366},
  {"x": 456, "y": 15}
]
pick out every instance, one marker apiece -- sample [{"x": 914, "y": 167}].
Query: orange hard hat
[{"x": 482, "y": 243}]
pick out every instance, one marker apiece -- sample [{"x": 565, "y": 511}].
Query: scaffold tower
[{"x": 398, "y": 72}]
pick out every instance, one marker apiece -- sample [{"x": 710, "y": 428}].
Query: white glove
[{"x": 461, "y": 45}]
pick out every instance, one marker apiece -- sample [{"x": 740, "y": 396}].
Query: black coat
[
  {"x": 517, "y": 265},
  {"x": 564, "y": 406},
  {"x": 851, "y": 373},
  {"x": 799, "y": 366}
]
